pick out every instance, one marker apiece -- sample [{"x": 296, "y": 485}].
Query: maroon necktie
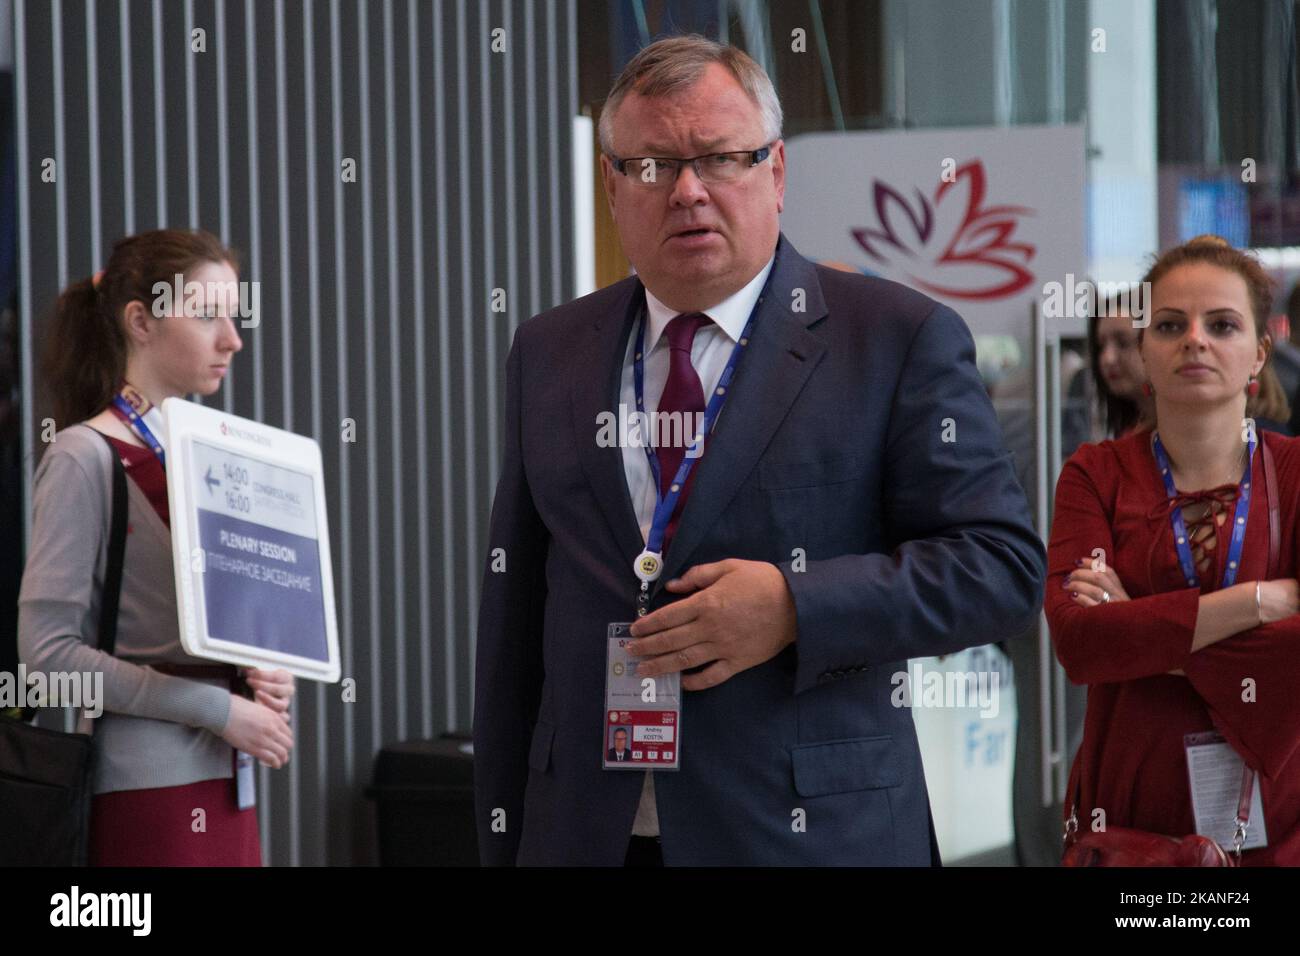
[{"x": 683, "y": 394}]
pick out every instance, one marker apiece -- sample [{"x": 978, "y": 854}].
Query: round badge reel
[{"x": 648, "y": 566}]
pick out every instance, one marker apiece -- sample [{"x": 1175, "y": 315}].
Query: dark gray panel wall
[{"x": 375, "y": 295}]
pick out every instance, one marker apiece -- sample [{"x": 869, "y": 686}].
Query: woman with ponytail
[{"x": 175, "y": 742}]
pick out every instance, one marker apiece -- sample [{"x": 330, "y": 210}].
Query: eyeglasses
[{"x": 660, "y": 171}]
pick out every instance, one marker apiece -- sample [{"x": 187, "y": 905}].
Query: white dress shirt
[{"x": 709, "y": 353}]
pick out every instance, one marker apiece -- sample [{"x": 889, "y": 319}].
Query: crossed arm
[{"x": 1246, "y": 671}]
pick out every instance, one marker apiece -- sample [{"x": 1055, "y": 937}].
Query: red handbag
[{"x": 1124, "y": 846}]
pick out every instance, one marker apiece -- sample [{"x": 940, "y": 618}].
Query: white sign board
[
  {"x": 250, "y": 544},
  {"x": 980, "y": 219},
  {"x": 968, "y": 747}
]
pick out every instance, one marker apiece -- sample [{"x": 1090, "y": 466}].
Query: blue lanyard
[
  {"x": 1239, "y": 518},
  {"x": 141, "y": 428},
  {"x": 667, "y": 502}
]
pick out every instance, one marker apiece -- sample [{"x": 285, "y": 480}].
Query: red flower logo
[{"x": 979, "y": 262}]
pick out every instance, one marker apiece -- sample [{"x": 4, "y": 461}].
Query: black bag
[{"x": 45, "y": 775}]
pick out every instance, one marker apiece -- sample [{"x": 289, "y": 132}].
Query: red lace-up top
[
  {"x": 1131, "y": 762},
  {"x": 1204, "y": 515}
]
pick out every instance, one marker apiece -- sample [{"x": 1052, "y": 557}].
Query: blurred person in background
[
  {"x": 1117, "y": 370},
  {"x": 1285, "y": 357}
]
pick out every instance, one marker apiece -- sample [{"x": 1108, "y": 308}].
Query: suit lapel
[
  {"x": 597, "y": 380},
  {"x": 780, "y": 357}
]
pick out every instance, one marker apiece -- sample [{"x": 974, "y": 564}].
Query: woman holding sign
[
  {"x": 177, "y": 738},
  {"x": 1172, "y": 593}
]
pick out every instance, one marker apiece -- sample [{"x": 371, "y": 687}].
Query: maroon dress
[
  {"x": 1132, "y": 762},
  {"x": 155, "y": 826}
]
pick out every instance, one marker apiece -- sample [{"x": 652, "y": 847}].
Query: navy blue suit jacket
[{"x": 859, "y": 453}]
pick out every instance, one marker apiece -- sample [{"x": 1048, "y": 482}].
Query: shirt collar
[{"x": 730, "y": 314}]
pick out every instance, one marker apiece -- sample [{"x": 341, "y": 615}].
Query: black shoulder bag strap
[{"x": 112, "y": 592}]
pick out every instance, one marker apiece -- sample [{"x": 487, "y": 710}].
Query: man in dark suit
[{"x": 852, "y": 508}]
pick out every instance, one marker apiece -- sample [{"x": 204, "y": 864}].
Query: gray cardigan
[{"x": 156, "y": 730}]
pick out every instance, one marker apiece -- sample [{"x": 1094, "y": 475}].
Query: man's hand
[{"x": 742, "y": 615}]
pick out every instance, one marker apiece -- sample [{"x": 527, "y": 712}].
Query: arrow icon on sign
[{"x": 209, "y": 480}]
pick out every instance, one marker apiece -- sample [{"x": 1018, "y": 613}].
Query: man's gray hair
[{"x": 676, "y": 63}]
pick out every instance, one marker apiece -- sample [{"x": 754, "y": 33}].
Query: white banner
[{"x": 977, "y": 218}]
